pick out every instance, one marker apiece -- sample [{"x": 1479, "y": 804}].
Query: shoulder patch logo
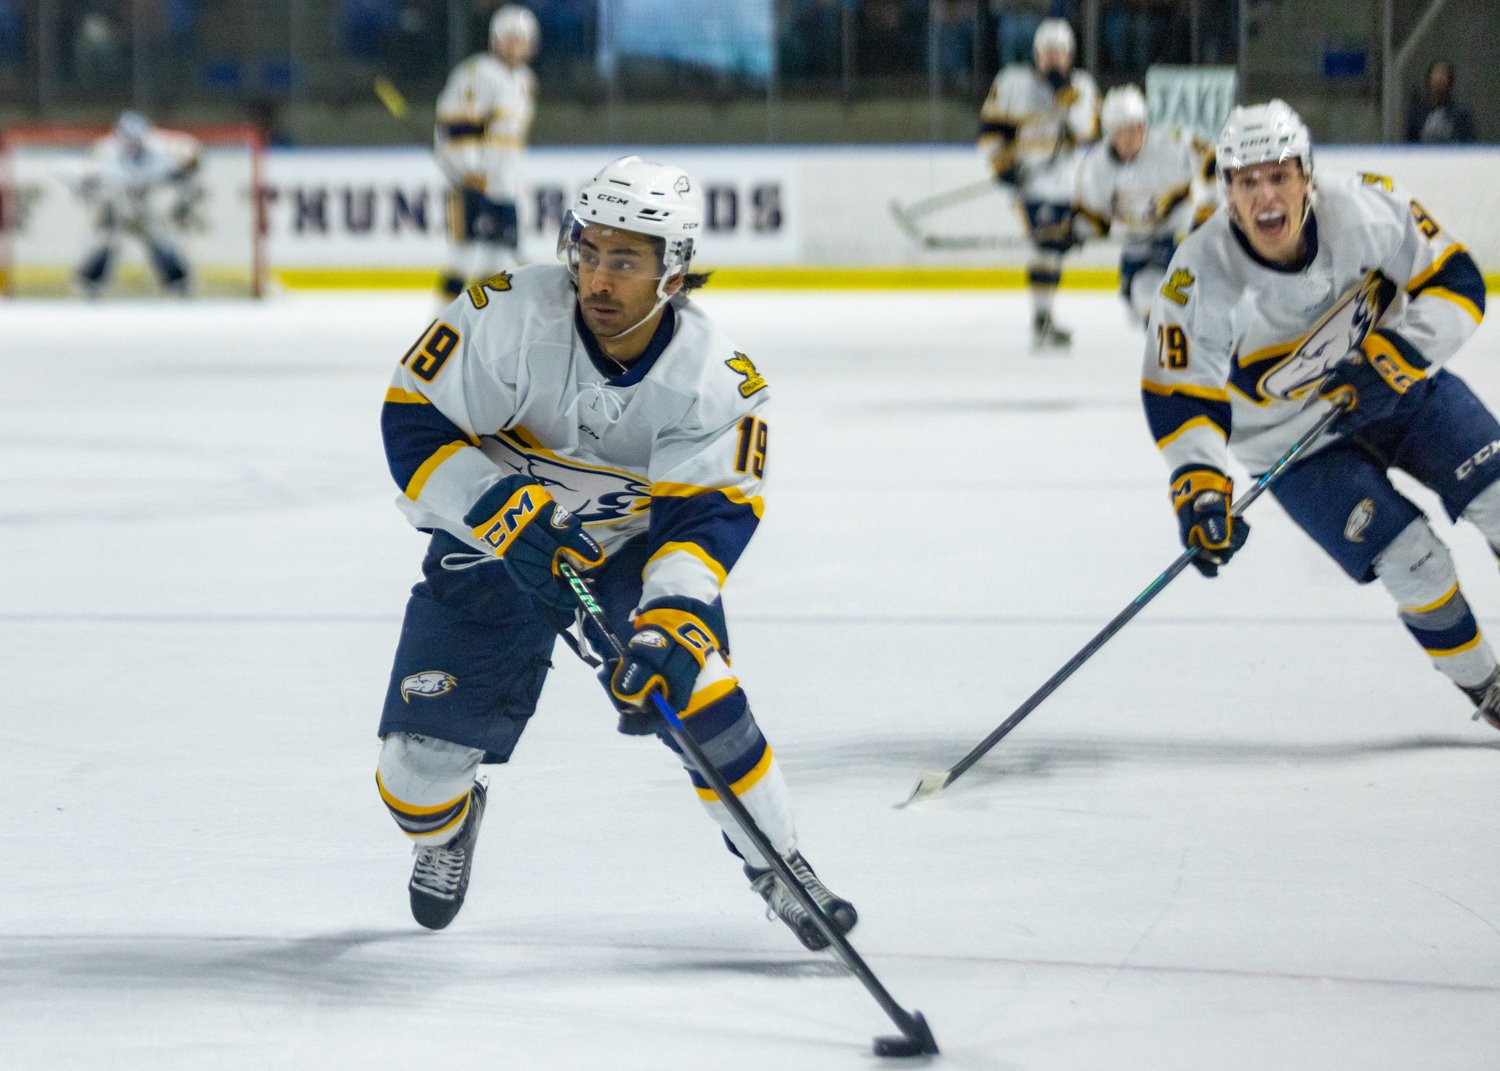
[
  {"x": 1175, "y": 288},
  {"x": 754, "y": 381},
  {"x": 429, "y": 683},
  {"x": 1369, "y": 178},
  {"x": 499, "y": 282}
]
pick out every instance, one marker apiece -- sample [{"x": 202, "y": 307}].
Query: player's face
[
  {"x": 1127, "y": 141},
  {"x": 1269, "y": 202},
  {"x": 618, "y": 272},
  {"x": 514, "y": 50},
  {"x": 1053, "y": 58}
]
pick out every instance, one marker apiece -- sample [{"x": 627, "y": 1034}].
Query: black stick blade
[{"x": 918, "y": 1042}]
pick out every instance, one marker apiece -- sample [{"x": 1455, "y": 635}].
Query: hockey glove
[
  {"x": 531, "y": 534},
  {"x": 1202, "y": 499},
  {"x": 672, "y": 641},
  {"x": 1368, "y": 383}
]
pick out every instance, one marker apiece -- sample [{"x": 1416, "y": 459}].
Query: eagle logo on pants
[{"x": 430, "y": 682}]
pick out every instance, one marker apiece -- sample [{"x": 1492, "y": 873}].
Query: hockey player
[
  {"x": 140, "y": 183},
  {"x": 1153, "y": 184},
  {"x": 590, "y": 413},
  {"x": 1033, "y": 120},
  {"x": 1305, "y": 291},
  {"x": 483, "y": 117}
]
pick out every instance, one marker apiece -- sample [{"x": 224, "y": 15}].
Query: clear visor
[{"x": 589, "y": 245}]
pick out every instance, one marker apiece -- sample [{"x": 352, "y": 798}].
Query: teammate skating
[
  {"x": 588, "y": 413},
  {"x": 1034, "y": 119},
  {"x": 484, "y": 116},
  {"x": 1150, "y": 185},
  {"x": 1345, "y": 287}
]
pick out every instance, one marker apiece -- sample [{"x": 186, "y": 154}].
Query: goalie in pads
[
  {"x": 140, "y": 184},
  {"x": 1304, "y": 291},
  {"x": 588, "y": 412}
]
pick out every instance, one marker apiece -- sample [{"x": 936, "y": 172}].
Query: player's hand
[
  {"x": 532, "y": 534},
  {"x": 1202, "y": 498},
  {"x": 1368, "y": 386},
  {"x": 672, "y": 641},
  {"x": 1065, "y": 97}
]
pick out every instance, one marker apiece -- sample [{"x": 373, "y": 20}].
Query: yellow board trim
[
  {"x": 788, "y": 277},
  {"x": 1460, "y": 649},
  {"x": 1191, "y": 390},
  {"x": 424, "y": 472},
  {"x": 744, "y": 784},
  {"x": 696, "y": 551},
  {"x": 1439, "y": 601},
  {"x": 397, "y": 396},
  {"x": 1197, "y": 422}
]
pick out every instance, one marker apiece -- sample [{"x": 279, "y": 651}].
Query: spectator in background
[
  {"x": 1434, "y": 117},
  {"x": 98, "y": 54}
]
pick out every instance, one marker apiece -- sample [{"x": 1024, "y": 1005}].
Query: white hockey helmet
[
  {"x": 1052, "y": 33},
  {"x": 131, "y": 127},
  {"x": 631, "y": 194},
  {"x": 1263, "y": 133},
  {"x": 513, "y": 20},
  {"x": 1123, "y": 106}
]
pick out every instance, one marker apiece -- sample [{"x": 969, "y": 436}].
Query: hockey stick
[
  {"x": 916, "y": 1037},
  {"x": 933, "y": 782},
  {"x": 906, "y": 217}
]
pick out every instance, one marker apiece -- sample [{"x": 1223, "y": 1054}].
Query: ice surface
[{"x": 1253, "y": 832}]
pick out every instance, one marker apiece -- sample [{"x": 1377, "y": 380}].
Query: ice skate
[
  {"x": 785, "y": 906},
  {"x": 1047, "y": 334},
  {"x": 1486, "y": 699},
  {"x": 440, "y": 874}
]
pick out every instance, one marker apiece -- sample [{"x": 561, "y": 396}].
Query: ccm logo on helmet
[
  {"x": 612, "y": 199},
  {"x": 1483, "y": 454}
]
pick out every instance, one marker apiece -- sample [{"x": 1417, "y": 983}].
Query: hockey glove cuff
[
  {"x": 531, "y": 534},
  {"x": 1202, "y": 499},
  {"x": 1370, "y": 381},
  {"x": 673, "y": 639}
]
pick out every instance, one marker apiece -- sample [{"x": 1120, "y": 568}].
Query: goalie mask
[{"x": 656, "y": 200}]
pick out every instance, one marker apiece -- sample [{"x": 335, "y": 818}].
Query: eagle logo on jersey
[
  {"x": 1341, "y": 329},
  {"x": 754, "y": 381},
  {"x": 1359, "y": 519},
  {"x": 429, "y": 683},
  {"x": 596, "y": 495}
]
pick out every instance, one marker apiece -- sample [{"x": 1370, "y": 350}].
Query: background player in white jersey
[
  {"x": 1151, "y": 184},
  {"x": 1033, "y": 120},
  {"x": 590, "y": 412},
  {"x": 139, "y": 184},
  {"x": 1347, "y": 289},
  {"x": 483, "y": 118}
]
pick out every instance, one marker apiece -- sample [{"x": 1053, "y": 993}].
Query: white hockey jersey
[
  {"x": 163, "y": 156},
  {"x": 507, "y": 382},
  {"x": 1030, "y": 129},
  {"x": 1235, "y": 345},
  {"x": 1156, "y": 195},
  {"x": 484, "y": 116}
]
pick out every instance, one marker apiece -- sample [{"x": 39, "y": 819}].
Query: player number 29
[
  {"x": 750, "y": 452},
  {"x": 1171, "y": 346}
]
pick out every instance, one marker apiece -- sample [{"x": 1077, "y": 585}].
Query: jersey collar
[{"x": 610, "y": 369}]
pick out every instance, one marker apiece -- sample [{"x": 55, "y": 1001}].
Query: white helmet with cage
[
  {"x": 1052, "y": 33},
  {"x": 1123, "y": 106},
  {"x": 513, "y": 20},
  {"x": 1260, "y": 134},
  {"x": 659, "y": 201}
]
